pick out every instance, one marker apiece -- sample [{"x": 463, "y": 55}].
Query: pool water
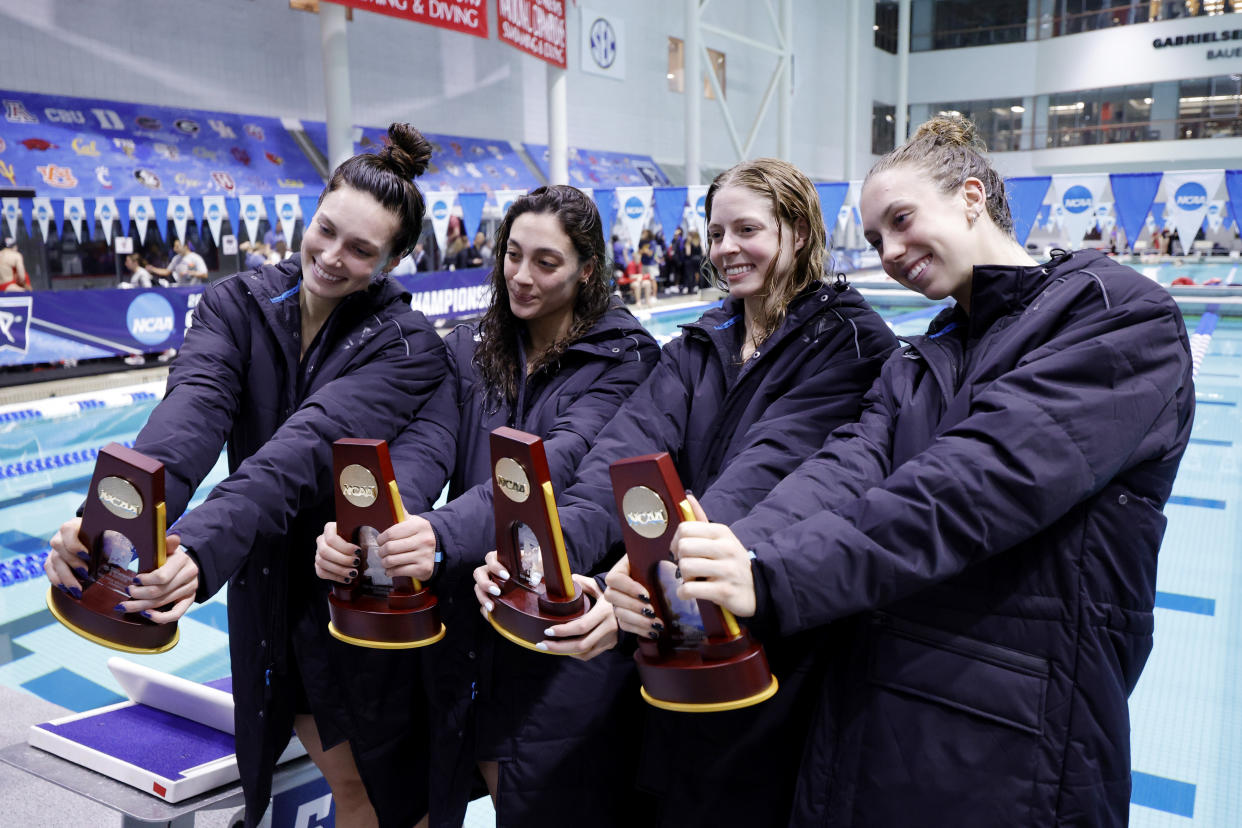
[{"x": 1186, "y": 710}]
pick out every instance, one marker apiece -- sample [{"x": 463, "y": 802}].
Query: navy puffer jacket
[
  {"x": 542, "y": 717},
  {"x": 982, "y": 548},
  {"x": 733, "y": 430},
  {"x": 239, "y": 379}
]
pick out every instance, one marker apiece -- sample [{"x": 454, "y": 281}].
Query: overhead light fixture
[{"x": 1017, "y": 109}]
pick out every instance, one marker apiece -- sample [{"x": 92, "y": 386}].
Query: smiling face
[
  {"x": 748, "y": 244},
  {"x": 925, "y": 237},
  {"x": 543, "y": 271},
  {"x": 347, "y": 244}
]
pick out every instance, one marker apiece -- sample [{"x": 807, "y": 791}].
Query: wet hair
[
  {"x": 496, "y": 358},
  {"x": 948, "y": 148},
  {"x": 793, "y": 199},
  {"x": 388, "y": 176}
]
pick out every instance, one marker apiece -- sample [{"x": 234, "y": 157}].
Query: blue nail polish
[
  {"x": 119, "y": 608},
  {"x": 81, "y": 572},
  {"x": 146, "y": 614},
  {"x": 85, "y": 556},
  {"x": 75, "y": 592},
  {"x": 137, "y": 582}
]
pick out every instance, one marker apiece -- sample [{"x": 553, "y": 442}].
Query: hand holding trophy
[{"x": 702, "y": 661}]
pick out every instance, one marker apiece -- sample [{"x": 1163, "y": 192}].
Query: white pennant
[
  {"x": 141, "y": 211},
  {"x": 1104, "y": 218},
  {"x": 1078, "y": 195},
  {"x": 287, "y": 214},
  {"x": 179, "y": 212},
  {"x": 214, "y": 211},
  {"x": 634, "y": 206},
  {"x": 43, "y": 214},
  {"x": 106, "y": 213},
  {"x": 251, "y": 212},
  {"x": 75, "y": 211},
  {"x": 696, "y": 197},
  {"x": 505, "y": 199},
  {"x": 1187, "y": 196},
  {"x": 11, "y": 213},
  {"x": 1216, "y": 215},
  {"x": 440, "y": 207}
]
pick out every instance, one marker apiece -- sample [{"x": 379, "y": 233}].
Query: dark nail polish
[
  {"x": 353, "y": 573},
  {"x": 85, "y": 556},
  {"x": 146, "y": 614},
  {"x": 653, "y": 634},
  {"x": 348, "y": 580},
  {"x": 646, "y": 599},
  {"x": 357, "y": 562},
  {"x": 648, "y": 612},
  {"x": 658, "y": 626},
  {"x": 127, "y": 595},
  {"x": 119, "y": 608},
  {"x": 137, "y": 582},
  {"x": 75, "y": 592},
  {"x": 678, "y": 573},
  {"x": 64, "y": 589},
  {"x": 689, "y": 493}
]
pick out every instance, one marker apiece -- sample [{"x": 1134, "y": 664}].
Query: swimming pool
[
  {"x": 1228, "y": 272},
  {"x": 1186, "y": 711}
]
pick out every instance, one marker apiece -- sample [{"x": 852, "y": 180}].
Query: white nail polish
[
  {"x": 488, "y": 606},
  {"x": 493, "y": 589},
  {"x": 504, "y": 574},
  {"x": 548, "y": 632},
  {"x": 541, "y": 646}
]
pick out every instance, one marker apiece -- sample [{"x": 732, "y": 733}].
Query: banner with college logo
[
  {"x": 180, "y": 212},
  {"x": 465, "y": 16},
  {"x": 287, "y": 215},
  {"x": 1133, "y": 196},
  {"x": 505, "y": 199},
  {"x": 696, "y": 197},
  {"x": 537, "y": 27},
  {"x": 252, "y": 211},
  {"x": 42, "y": 214},
  {"x": 635, "y": 204},
  {"x": 141, "y": 212},
  {"x": 1216, "y": 215},
  {"x": 670, "y": 207},
  {"x": 602, "y": 44},
  {"x": 75, "y": 213},
  {"x": 10, "y": 210},
  {"x": 105, "y": 213},
  {"x": 1026, "y": 195},
  {"x": 214, "y": 211},
  {"x": 14, "y": 324},
  {"x": 439, "y": 208},
  {"x": 831, "y": 196},
  {"x": 1186, "y": 199},
  {"x": 1077, "y": 196}
]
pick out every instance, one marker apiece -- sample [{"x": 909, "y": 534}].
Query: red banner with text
[
  {"x": 468, "y": 16},
  {"x": 537, "y": 27}
]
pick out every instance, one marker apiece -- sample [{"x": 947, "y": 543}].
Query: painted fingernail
[
  {"x": 353, "y": 573},
  {"x": 147, "y": 615},
  {"x": 658, "y": 626},
  {"x": 348, "y": 580},
  {"x": 127, "y": 595},
  {"x": 357, "y": 562},
  {"x": 653, "y": 634},
  {"x": 487, "y": 605},
  {"x": 548, "y": 632},
  {"x": 678, "y": 573},
  {"x": 541, "y": 646},
  {"x": 138, "y": 581},
  {"x": 492, "y": 589},
  {"x": 84, "y": 556},
  {"x": 81, "y": 572},
  {"x": 646, "y": 599},
  {"x": 504, "y": 574},
  {"x": 119, "y": 608},
  {"x": 648, "y": 612},
  {"x": 689, "y": 492},
  {"x": 64, "y": 589},
  {"x": 75, "y": 592}
]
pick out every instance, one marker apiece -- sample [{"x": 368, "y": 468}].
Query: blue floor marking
[
  {"x": 1197, "y": 501},
  {"x": 1214, "y": 402},
  {"x": 1203, "y": 441},
  {"x": 1185, "y": 603},
  {"x": 1168, "y": 795},
  {"x": 70, "y": 690}
]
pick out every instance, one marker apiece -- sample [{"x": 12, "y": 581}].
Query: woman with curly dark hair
[{"x": 555, "y": 355}]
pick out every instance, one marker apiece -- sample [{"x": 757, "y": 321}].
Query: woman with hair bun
[
  {"x": 554, "y": 355},
  {"x": 280, "y": 362},
  {"x": 978, "y": 552}
]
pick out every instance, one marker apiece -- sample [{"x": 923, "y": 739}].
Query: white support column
[
  {"x": 784, "y": 112},
  {"x": 852, "y": 78},
  {"x": 903, "y": 71},
  {"x": 692, "y": 75},
  {"x": 558, "y": 130},
  {"x": 337, "y": 100}
]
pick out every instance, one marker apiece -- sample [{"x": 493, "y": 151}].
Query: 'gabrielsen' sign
[{"x": 1224, "y": 35}]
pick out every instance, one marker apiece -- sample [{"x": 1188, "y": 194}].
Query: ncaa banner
[
  {"x": 1077, "y": 196},
  {"x": 1104, "y": 218},
  {"x": 252, "y": 210},
  {"x": 465, "y": 16},
  {"x": 141, "y": 211},
  {"x": 537, "y": 27},
  {"x": 471, "y": 212},
  {"x": 439, "y": 208},
  {"x": 603, "y": 44},
  {"x": 606, "y": 203},
  {"x": 1025, "y": 196},
  {"x": 105, "y": 213},
  {"x": 43, "y": 214},
  {"x": 179, "y": 212},
  {"x": 831, "y": 198},
  {"x": 214, "y": 212},
  {"x": 1216, "y": 215},
  {"x": 1133, "y": 195},
  {"x": 75, "y": 212},
  {"x": 505, "y": 199},
  {"x": 853, "y": 198},
  {"x": 1187, "y": 196},
  {"x": 10, "y": 215},
  {"x": 635, "y": 203},
  {"x": 287, "y": 215},
  {"x": 1233, "y": 190},
  {"x": 670, "y": 207},
  {"x": 696, "y": 197},
  {"x": 445, "y": 294}
]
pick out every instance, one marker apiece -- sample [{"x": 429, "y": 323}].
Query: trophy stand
[
  {"x": 124, "y": 520},
  {"x": 375, "y": 610},
  {"x": 540, "y": 591},
  {"x": 703, "y": 661}
]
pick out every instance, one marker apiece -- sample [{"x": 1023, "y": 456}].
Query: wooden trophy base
[
  {"x": 371, "y": 621},
  {"x": 93, "y": 618},
  {"x": 685, "y": 682},
  {"x": 522, "y": 615}
]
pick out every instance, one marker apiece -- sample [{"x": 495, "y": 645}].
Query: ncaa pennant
[
  {"x": 251, "y": 212},
  {"x": 505, "y": 199},
  {"x": 10, "y": 209},
  {"x": 179, "y": 212},
  {"x": 75, "y": 212},
  {"x": 440, "y": 207},
  {"x": 141, "y": 211},
  {"x": 214, "y": 212},
  {"x": 287, "y": 214},
  {"x": 1077, "y": 196},
  {"x": 43, "y": 214},
  {"x": 635, "y": 204},
  {"x": 1187, "y": 196},
  {"x": 105, "y": 214}
]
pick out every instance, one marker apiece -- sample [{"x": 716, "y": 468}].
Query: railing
[{"x": 1082, "y": 135}]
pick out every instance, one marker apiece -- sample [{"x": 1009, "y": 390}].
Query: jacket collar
[
  {"x": 716, "y": 323},
  {"x": 996, "y": 291}
]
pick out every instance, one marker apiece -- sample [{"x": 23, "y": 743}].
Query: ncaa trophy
[
  {"x": 703, "y": 660},
  {"x": 540, "y": 591},
  {"x": 376, "y": 610},
  {"x": 123, "y": 528}
]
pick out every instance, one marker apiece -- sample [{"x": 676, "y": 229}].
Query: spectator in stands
[
  {"x": 674, "y": 260},
  {"x": 254, "y": 257},
  {"x": 472, "y": 255},
  {"x": 139, "y": 276},
  {"x": 274, "y": 235},
  {"x": 282, "y": 251},
  {"x": 186, "y": 267},
  {"x": 422, "y": 261},
  {"x": 278, "y": 364},
  {"x": 13, "y": 274},
  {"x": 692, "y": 264}
]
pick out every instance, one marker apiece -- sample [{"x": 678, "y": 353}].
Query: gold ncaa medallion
[
  {"x": 645, "y": 512},
  {"x": 358, "y": 485},
  {"x": 120, "y": 497},
  {"x": 512, "y": 480}
]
